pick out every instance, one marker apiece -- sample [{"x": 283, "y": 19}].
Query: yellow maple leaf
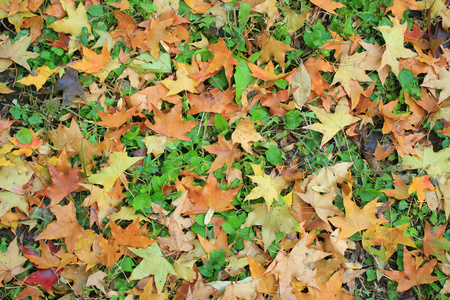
[
  {"x": 38, "y": 77},
  {"x": 356, "y": 219},
  {"x": 332, "y": 123},
  {"x": 394, "y": 37},
  {"x": 76, "y": 20},
  {"x": 119, "y": 162},
  {"x": 183, "y": 83},
  {"x": 349, "y": 73},
  {"x": 268, "y": 188}
]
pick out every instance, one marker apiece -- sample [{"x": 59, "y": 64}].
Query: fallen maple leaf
[
  {"x": 97, "y": 280},
  {"x": 16, "y": 52},
  {"x": 332, "y": 123},
  {"x": 76, "y": 20},
  {"x": 296, "y": 263},
  {"x": 9, "y": 200},
  {"x": 38, "y": 77},
  {"x": 66, "y": 226},
  {"x": 400, "y": 190},
  {"x": 223, "y": 59},
  {"x": 11, "y": 263},
  {"x": 69, "y": 83},
  {"x": 321, "y": 190},
  {"x": 30, "y": 291},
  {"x": 268, "y": 188},
  {"x": 92, "y": 62},
  {"x": 171, "y": 124},
  {"x": 278, "y": 219},
  {"x": 62, "y": 184},
  {"x": 431, "y": 162},
  {"x": 129, "y": 236},
  {"x": 245, "y": 134},
  {"x": 183, "y": 83},
  {"x": 394, "y": 38},
  {"x": 45, "y": 277},
  {"x": 349, "y": 73},
  {"x": 213, "y": 101},
  {"x": 443, "y": 83},
  {"x": 44, "y": 260},
  {"x": 266, "y": 74},
  {"x": 153, "y": 263},
  {"x": 179, "y": 238},
  {"x": 210, "y": 199},
  {"x": 198, "y": 6},
  {"x": 434, "y": 242},
  {"x": 117, "y": 118},
  {"x": 272, "y": 47},
  {"x": 267, "y": 284},
  {"x": 332, "y": 289},
  {"x": 119, "y": 162},
  {"x": 356, "y": 219},
  {"x": 399, "y": 7},
  {"x": 328, "y": 5},
  {"x": 150, "y": 39},
  {"x": 103, "y": 200},
  {"x": 390, "y": 238},
  {"x": 26, "y": 149},
  {"x": 226, "y": 153},
  {"x": 419, "y": 184},
  {"x": 413, "y": 274}
]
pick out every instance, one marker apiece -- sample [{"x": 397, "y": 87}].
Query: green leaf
[
  {"x": 242, "y": 77},
  {"x": 274, "y": 155},
  {"x": 35, "y": 119},
  {"x": 142, "y": 201},
  {"x": 24, "y": 136},
  {"x": 293, "y": 119},
  {"x": 95, "y": 10},
  {"x": 155, "y": 66},
  {"x": 220, "y": 122},
  {"x": 244, "y": 13},
  {"x": 410, "y": 83},
  {"x": 153, "y": 263}
]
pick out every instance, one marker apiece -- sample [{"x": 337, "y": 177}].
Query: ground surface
[{"x": 236, "y": 150}]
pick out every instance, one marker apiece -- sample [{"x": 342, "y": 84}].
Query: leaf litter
[{"x": 207, "y": 160}]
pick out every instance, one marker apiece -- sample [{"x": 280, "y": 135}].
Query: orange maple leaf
[
  {"x": 171, "y": 124},
  {"x": 223, "y": 59},
  {"x": 400, "y": 190},
  {"x": 130, "y": 236},
  {"x": 328, "y": 5},
  {"x": 150, "y": 39},
  {"x": 26, "y": 149},
  {"x": 210, "y": 199},
  {"x": 419, "y": 184},
  {"x": 413, "y": 274},
  {"x": 62, "y": 184},
  {"x": 93, "y": 62},
  {"x": 214, "y": 101},
  {"x": 198, "y": 6},
  {"x": 400, "y": 6},
  {"x": 266, "y": 74},
  {"x": 66, "y": 226},
  {"x": 220, "y": 242},
  {"x": 118, "y": 118},
  {"x": 226, "y": 153}
]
